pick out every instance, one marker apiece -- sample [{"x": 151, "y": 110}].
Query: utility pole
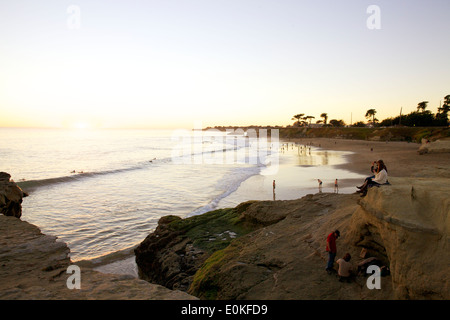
[{"x": 400, "y": 121}]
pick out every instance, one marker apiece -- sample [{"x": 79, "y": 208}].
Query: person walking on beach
[
  {"x": 331, "y": 249},
  {"x": 274, "y": 185},
  {"x": 320, "y": 185},
  {"x": 336, "y": 186}
]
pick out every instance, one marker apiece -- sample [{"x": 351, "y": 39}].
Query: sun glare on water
[{"x": 81, "y": 125}]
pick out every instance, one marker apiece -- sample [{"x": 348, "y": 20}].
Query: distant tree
[
  {"x": 447, "y": 100},
  {"x": 325, "y": 117},
  {"x": 419, "y": 119},
  {"x": 422, "y": 106},
  {"x": 337, "y": 123},
  {"x": 310, "y": 118},
  {"x": 390, "y": 122},
  {"x": 446, "y": 107},
  {"x": 442, "y": 115},
  {"x": 298, "y": 117},
  {"x": 371, "y": 113},
  {"x": 359, "y": 124}
]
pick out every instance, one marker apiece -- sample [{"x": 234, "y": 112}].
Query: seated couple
[{"x": 380, "y": 177}]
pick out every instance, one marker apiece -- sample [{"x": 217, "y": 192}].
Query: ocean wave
[
  {"x": 206, "y": 156},
  {"x": 231, "y": 183},
  {"x": 32, "y": 185}
]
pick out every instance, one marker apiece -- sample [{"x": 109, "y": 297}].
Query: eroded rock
[{"x": 10, "y": 196}]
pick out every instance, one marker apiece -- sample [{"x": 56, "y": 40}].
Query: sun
[{"x": 81, "y": 125}]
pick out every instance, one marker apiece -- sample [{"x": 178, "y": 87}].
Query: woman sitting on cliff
[{"x": 379, "y": 179}]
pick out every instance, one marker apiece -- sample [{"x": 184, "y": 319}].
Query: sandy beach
[
  {"x": 401, "y": 158},
  {"x": 349, "y": 167}
]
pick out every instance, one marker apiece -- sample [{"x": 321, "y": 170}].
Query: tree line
[{"x": 419, "y": 118}]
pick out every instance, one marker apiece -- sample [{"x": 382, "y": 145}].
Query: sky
[{"x": 173, "y": 63}]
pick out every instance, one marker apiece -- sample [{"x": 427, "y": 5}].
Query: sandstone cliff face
[
  {"x": 410, "y": 220},
  {"x": 404, "y": 225}
]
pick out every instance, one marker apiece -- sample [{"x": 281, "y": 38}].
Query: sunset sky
[{"x": 171, "y": 63}]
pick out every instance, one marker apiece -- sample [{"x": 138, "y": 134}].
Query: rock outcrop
[
  {"x": 281, "y": 254},
  {"x": 10, "y": 196},
  {"x": 34, "y": 266},
  {"x": 173, "y": 253},
  {"x": 438, "y": 146},
  {"x": 408, "y": 224}
]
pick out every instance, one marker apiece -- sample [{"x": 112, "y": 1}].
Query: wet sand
[{"x": 401, "y": 158}]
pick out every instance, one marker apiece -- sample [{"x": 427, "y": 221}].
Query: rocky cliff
[
  {"x": 36, "y": 266},
  {"x": 278, "y": 249},
  {"x": 10, "y": 196},
  {"x": 411, "y": 222}
]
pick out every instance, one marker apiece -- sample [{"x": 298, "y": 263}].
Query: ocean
[{"x": 103, "y": 191}]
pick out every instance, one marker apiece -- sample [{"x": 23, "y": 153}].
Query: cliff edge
[{"x": 35, "y": 266}]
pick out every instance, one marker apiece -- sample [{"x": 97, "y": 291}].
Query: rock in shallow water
[{"x": 10, "y": 196}]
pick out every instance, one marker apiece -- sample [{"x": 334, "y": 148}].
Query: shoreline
[
  {"x": 122, "y": 262},
  {"x": 358, "y": 161},
  {"x": 401, "y": 158}
]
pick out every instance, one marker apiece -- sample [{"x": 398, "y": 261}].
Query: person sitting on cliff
[
  {"x": 345, "y": 270},
  {"x": 373, "y": 169},
  {"x": 379, "y": 179}
]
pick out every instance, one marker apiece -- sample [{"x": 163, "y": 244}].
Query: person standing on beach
[
  {"x": 331, "y": 249},
  {"x": 274, "y": 185},
  {"x": 336, "y": 186}
]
